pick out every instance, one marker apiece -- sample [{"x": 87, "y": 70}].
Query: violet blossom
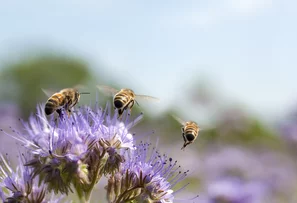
[{"x": 72, "y": 153}]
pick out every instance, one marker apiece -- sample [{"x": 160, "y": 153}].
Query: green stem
[
  {"x": 88, "y": 192},
  {"x": 126, "y": 192},
  {"x": 87, "y": 196},
  {"x": 84, "y": 200}
]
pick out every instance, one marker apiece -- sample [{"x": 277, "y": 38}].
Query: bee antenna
[
  {"x": 137, "y": 103},
  {"x": 84, "y": 93}
]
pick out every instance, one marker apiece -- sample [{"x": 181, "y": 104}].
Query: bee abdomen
[
  {"x": 191, "y": 130},
  {"x": 49, "y": 108},
  {"x": 190, "y": 136},
  {"x": 52, "y": 104},
  {"x": 118, "y": 104},
  {"x": 119, "y": 101}
]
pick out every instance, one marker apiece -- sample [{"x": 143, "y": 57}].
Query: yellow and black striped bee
[
  {"x": 190, "y": 131},
  {"x": 66, "y": 98},
  {"x": 123, "y": 99}
]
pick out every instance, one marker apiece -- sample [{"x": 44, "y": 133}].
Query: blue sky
[{"x": 247, "y": 48}]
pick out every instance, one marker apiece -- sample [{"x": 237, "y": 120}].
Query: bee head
[{"x": 77, "y": 95}]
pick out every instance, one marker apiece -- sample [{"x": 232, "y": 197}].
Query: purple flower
[
  {"x": 76, "y": 150},
  {"x": 20, "y": 185},
  {"x": 288, "y": 131},
  {"x": 258, "y": 173},
  {"x": 73, "y": 153},
  {"x": 146, "y": 176},
  {"x": 234, "y": 190}
]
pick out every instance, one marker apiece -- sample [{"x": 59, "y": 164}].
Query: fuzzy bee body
[
  {"x": 123, "y": 99},
  {"x": 190, "y": 130},
  {"x": 66, "y": 98}
]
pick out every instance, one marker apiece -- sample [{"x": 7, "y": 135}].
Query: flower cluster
[
  {"x": 146, "y": 176},
  {"x": 20, "y": 186},
  {"x": 72, "y": 154}
]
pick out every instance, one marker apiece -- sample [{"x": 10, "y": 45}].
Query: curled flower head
[
  {"x": 72, "y": 154},
  {"x": 146, "y": 175},
  {"x": 116, "y": 135},
  {"x": 115, "y": 139},
  {"x": 75, "y": 150},
  {"x": 21, "y": 186}
]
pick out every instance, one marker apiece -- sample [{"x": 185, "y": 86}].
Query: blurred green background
[
  {"x": 229, "y": 66},
  {"x": 230, "y": 127}
]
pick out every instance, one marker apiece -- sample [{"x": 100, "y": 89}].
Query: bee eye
[
  {"x": 118, "y": 104},
  {"x": 190, "y": 137}
]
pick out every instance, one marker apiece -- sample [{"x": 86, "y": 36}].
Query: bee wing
[
  {"x": 48, "y": 92},
  {"x": 206, "y": 128},
  {"x": 146, "y": 97},
  {"x": 79, "y": 87},
  {"x": 108, "y": 91},
  {"x": 178, "y": 119}
]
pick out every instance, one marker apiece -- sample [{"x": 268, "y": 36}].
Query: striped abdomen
[
  {"x": 124, "y": 99},
  {"x": 191, "y": 130},
  {"x": 55, "y": 102}
]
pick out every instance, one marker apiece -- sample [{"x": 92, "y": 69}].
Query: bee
[
  {"x": 123, "y": 99},
  {"x": 66, "y": 98},
  {"x": 190, "y": 131}
]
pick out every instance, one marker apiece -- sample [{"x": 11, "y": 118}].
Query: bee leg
[
  {"x": 183, "y": 148},
  {"x": 185, "y": 144},
  {"x": 131, "y": 105},
  {"x": 61, "y": 114},
  {"x": 120, "y": 112},
  {"x": 183, "y": 134},
  {"x": 68, "y": 112},
  {"x": 184, "y": 137},
  {"x": 59, "y": 111},
  {"x": 129, "y": 111},
  {"x": 67, "y": 107}
]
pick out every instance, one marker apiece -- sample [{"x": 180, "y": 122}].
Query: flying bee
[
  {"x": 190, "y": 131},
  {"x": 123, "y": 99},
  {"x": 66, "y": 98}
]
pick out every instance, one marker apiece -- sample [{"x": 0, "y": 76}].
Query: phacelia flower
[
  {"x": 75, "y": 150},
  {"x": 21, "y": 186},
  {"x": 146, "y": 176}
]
